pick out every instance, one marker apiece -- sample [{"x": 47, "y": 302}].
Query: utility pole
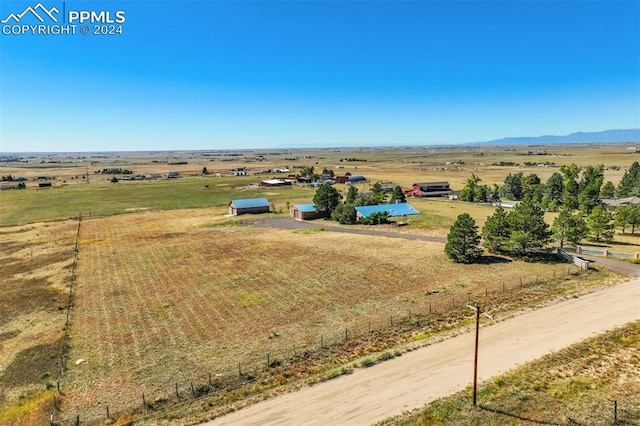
[
  {"x": 475, "y": 358},
  {"x": 476, "y": 308}
]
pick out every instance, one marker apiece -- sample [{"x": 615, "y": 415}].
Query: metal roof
[
  {"x": 248, "y": 203},
  {"x": 306, "y": 208},
  {"x": 356, "y": 178},
  {"x": 399, "y": 209}
]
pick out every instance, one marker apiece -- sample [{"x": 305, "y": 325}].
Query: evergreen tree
[
  {"x": 628, "y": 216},
  {"x": 569, "y": 227},
  {"x": 531, "y": 188},
  {"x": 571, "y": 189},
  {"x": 378, "y": 193},
  {"x": 629, "y": 185},
  {"x": 345, "y": 214},
  {"x": 590, "y": 185},
  {"x": 512, "y": 187},
  {"x": 326, "y": 198},
  {"x": 352, "y": 195},
  {"x": 530, "y": 233},
  {"x": 600, "y": 224},
  {"x": 555, "y": 187},
  {"x": 468, "y": 193},
  {"x": 376, "y": 218},
  {"x": 608, "y": 190},
  {"x": 463, "y": 241},
  {"x": 495, "y": 232},
  {"x": 397, "y": 196}
]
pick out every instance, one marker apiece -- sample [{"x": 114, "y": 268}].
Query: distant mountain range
[{"x": 618, "y": 135}]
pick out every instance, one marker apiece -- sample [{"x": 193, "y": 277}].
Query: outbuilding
[
  {"x": 248, "y": 205},
  {"x": 429, "y": 189},
  {"x": 306, "y": 212},
  {"x": 397, "y": 209}
]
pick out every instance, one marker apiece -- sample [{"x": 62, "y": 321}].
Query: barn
[
  {"x": 248, "y": 205},
  {"x": 306, "y": 212},
  {"x": 398, "y": 209},
  {"x": 429, "y": 189}
]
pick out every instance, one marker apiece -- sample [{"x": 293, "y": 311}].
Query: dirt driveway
[{"x": 415, "y": 378}]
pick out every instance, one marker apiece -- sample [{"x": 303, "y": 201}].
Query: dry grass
[
  {"x": 35, "y": 274},
  {"x": 577, "y": 385},
  {"x": 184, "y": 291}
]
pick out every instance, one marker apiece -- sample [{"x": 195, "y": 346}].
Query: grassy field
[
  {"x": 198, "y": 295},
  {"x": 576, "y": 386},
  {"x": 175, "y": 283},
  {"x": 35, "y": 275}
]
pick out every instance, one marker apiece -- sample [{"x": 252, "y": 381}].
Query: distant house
[
  {"x": 248, "y": 205},
  {"x": 240, "y": 173},
  {"x": 44, "y": 184},
  {"x": 173, "y": 175},
  {"x": 398, "y": 209},
  {"x": 306, "y": 212},
  {"x": 429, "y": 189}
]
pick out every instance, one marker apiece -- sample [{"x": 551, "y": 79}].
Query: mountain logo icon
[{"x": 38, "y": 11}]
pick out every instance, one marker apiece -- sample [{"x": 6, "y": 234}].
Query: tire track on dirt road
[{"x": 417, "y": 377}]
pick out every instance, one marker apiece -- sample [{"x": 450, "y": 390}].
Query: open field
[
  {"x": 35, "y": 274},
  {"x": 196, "y": 295},
  {"x": 170, "y": 290},
  {"x": 577, "y": 385}
]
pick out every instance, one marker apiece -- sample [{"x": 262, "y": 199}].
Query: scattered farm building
[
  {"x": 275, "y": 182},
  {"x": 306, "y": 212},
  {"x": 398, "y": 209},
  {"x": 621, "y": 201},
  {"x": 10, "y": 185},
  {"x": 350, "y": 179},
  {"x": 173, "y": 175},
  {"x": 248, "y": 205},
  {"x": 429, "y": 189},
  {"x": 44, "y": 184}
]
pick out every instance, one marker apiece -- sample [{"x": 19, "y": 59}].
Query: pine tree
[
  {"x": 608, "y": 190},
  {"x": 326, "y": 198},
  {"x": 463, "y": 241},
  {"x": 397, "y": 196},
  {"x": 495, "y": 232},
  {"x": 629, "y": 185},
  {"x": 530, "y": 233},
  {"x": 600, "y": 224},
  {"x": 570, "y": 227}
]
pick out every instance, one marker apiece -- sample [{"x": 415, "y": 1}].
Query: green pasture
[{"x": 43, "y": 204}]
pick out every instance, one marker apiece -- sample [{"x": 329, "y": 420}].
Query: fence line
[
  {"x": 578, "y": 261},
  {"x": 65, "y": 338},
  {"x": 426, "y": 318},
  {"x": 597, "y": 251}
]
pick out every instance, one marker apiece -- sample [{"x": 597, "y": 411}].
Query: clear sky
[{"x": 269, "y": 74}]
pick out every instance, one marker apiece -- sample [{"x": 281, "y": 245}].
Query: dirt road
[{"x": 417, "y": 377}]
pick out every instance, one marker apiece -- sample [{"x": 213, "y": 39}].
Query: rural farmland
[{"x": 172, "y": 299}]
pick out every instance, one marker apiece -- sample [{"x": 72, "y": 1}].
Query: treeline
[
  {"x": 572, "y": 188},
  {"x": 115, "y": 171}
]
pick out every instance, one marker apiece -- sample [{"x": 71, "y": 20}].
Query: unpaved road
[{"x": 417, "y": 377}]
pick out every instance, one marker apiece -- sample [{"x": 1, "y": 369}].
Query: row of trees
[
  {"x": 572, "y": 188},
  {"x": 524, "y": 233}
]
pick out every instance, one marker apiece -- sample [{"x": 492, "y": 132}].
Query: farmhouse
[
  {"x": 248, "y": 205},
  {"x": 398, "y": 209},
  {"x": 306, "y": 212},
  {"x": 429, "y": 189}
]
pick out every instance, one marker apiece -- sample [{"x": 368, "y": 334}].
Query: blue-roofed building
[
  {"x": 398, "y": 209},
  {"x": 306, "y": 212},
  {"x": 248, "y": 205}
]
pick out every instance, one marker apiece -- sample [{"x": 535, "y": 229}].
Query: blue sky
[{"x": 268, "y": 74}]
